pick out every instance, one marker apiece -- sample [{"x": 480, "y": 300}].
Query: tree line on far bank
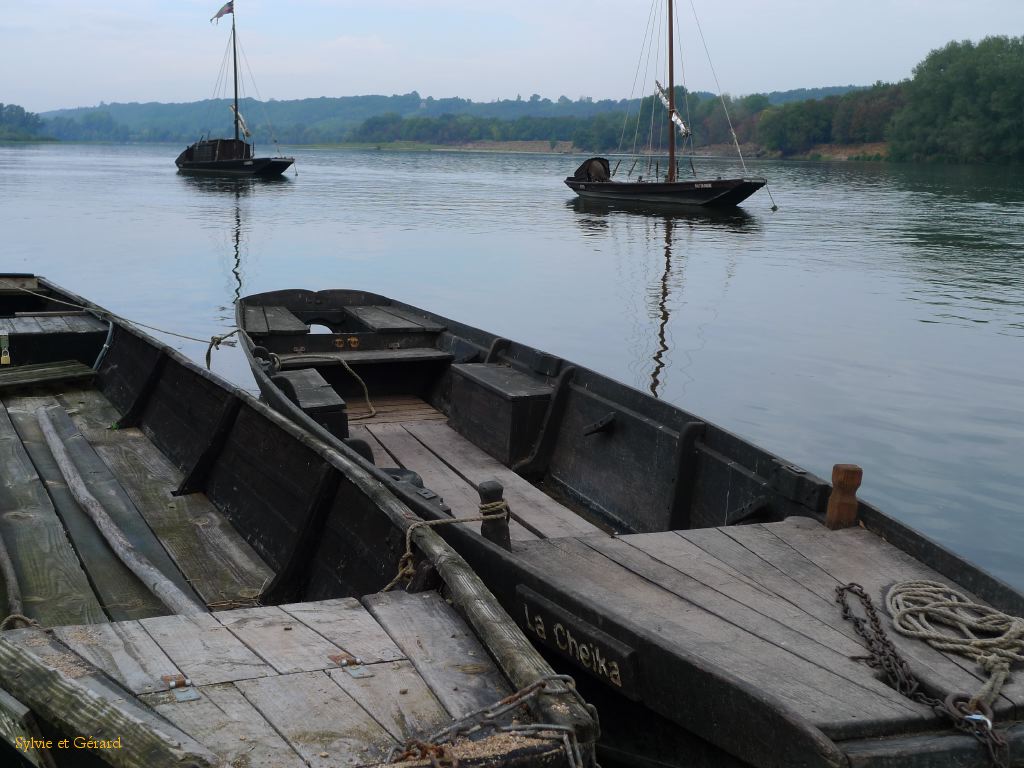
[{"x": 963, "y": 104}]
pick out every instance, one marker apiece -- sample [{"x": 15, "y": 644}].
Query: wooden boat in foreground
[
  {"x": 264, "y": 633},
  {"x": 688, "y": 573}
]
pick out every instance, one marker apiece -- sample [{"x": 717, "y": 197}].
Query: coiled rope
[{"x": 948, "y": 621}]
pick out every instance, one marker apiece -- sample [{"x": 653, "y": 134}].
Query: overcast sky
[{"x": 66, "y": 53}]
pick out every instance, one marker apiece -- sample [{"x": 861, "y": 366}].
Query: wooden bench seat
[
  {"x": 13, "y": 377},
  {"x": 272, "y": 321},
  {"x": 388, "y": 319},
  {"x": 307, "y": 389},
  {"x": 364, "y": 357}
]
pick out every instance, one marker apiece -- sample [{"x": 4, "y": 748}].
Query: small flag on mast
[{"x": 228, "y": 7}]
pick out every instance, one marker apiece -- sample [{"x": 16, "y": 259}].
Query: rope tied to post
[{"x": 495, "y": 510}]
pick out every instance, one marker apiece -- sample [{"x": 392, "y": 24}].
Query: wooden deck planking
[
  {"x": 102, "y": 484},
  {"x": 346, "y": 623},
  {"x": 76, "y": 698},
  {"x": 381, "y": 457},
  {"x": 447, "y": 656},
  {"x": 124, "y": 650},
  {"x": 280, "y": 320},
  {"x": 393, "y": 410},
  {"x": 280, "y": 639},
  {"x": 320, "y": 721},
  {"x": 457, "y": 493},
  {"x": 120, "y": 592},
  {"x": 823, "y": 697},
  {"x": 255, "y": 320},
  {"x": 531, "y": 506},
  {"x": 232, "y": 728},
  {"x": 23, "y": 376},
  {"x": 383, "y": 320},
  {"x": 264, "y": 715},
  {"x": 53, "y": 585},
  {"x": 396, "y": 696},
  {"x": 219, "y": 564},
  {"x": 857, "y": 555},
  {"x": 205, "y": 650},
  {"x": 811, "y": 641},
  {"x": 791, "y": 576}
]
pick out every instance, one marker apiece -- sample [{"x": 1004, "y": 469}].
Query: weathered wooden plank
[
  {"x": 219, "y": 564},
  {"x": 713, "y": 643},
  {"x": 229, "y": 726},
  {"x": 18, "y": 723},
  {"x": 347, "y": 624},
  {"x": 531, "y": 506},
  {"x": 319, "y": 720},
  {"x": 382, "y": 320},
  {"x": 204, "y": 650},
  {"x": 792, "y": 631},
  {"x": 53, "y": 585},
  {"x": 381, "y": 457},
  {"x": 124, "y": 651},
  {"x": 439, "y": 644},
  {"x": 66, "y": 691},
  {"x": 159, "y": 576},
  {"x": 21, "y": 376},
  {"x": 365, "y": 356},
  {"x": 280, "y": 639},
  {"x": 857, "y": 555},
  {"x": 25, "y": 325},
  {"x": 785, "y": 571},
  {"x": 427, "y": 324},
  {"x": 281, "y": 321},
  {"x": 255, "y": 320},
  {"x": 401, "y": 417},
  {"x": 53, "y": 324},
  {"x": 85, "y": 323},
  {"x": 119, "y": 591},
  {"x": 457, "y": 493},
  {"x": 396, "y": 696}
]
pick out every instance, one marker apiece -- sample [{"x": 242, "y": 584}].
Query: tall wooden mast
[
  {"x": 234, "y": 51},
  {"x": 671, "y": 100}
]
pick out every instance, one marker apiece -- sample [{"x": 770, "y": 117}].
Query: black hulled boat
[
  {"x": 230, "y": 157},
  {"x": 594, "y": 178}
]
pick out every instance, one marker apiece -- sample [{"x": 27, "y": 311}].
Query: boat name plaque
[{"x": 611, "y": 661}]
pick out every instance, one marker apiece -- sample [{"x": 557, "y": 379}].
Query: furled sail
[
  {"x": 684, "y": 130},
  {"x": 241, "y": 121}
]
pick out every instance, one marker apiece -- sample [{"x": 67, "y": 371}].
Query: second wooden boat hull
[
  {"x": 255, "y": 166},
  {"x": 729, "y": 631},
  {"x": 717, "y": 193}
]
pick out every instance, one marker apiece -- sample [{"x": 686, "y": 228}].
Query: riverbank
[{"x": 836, "y": 152}]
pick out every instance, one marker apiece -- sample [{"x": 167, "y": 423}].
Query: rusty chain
[
  {"x": 882, "y": 655},
  {"x": 478, "y": 723}
]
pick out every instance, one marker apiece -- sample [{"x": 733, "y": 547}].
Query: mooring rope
[
  {"x": 925, "y": 610},
  {"x": 214, "y": 341},
  {"x": 494, "y": 510}
]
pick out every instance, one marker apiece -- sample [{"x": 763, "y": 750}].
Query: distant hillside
[
  {"x": 804, "y": 94},
  {"x": 308, "y": 121}
]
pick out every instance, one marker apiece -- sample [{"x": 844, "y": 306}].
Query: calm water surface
[{"x": 876, "y": 318}]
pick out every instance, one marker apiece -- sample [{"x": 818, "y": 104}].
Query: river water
[{"x": 876, "y": 318}]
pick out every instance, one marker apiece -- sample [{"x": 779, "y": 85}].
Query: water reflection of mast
[
  {"x": 236, "y": 268},
  {"x": 659, "y": 355}
]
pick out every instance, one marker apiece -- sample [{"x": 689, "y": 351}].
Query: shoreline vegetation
[{"x": 962, "y": 105}]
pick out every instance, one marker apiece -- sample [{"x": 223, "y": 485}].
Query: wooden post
[
  {"x": 842, "y": 504},
  {"x": 495, "y": 530}
]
